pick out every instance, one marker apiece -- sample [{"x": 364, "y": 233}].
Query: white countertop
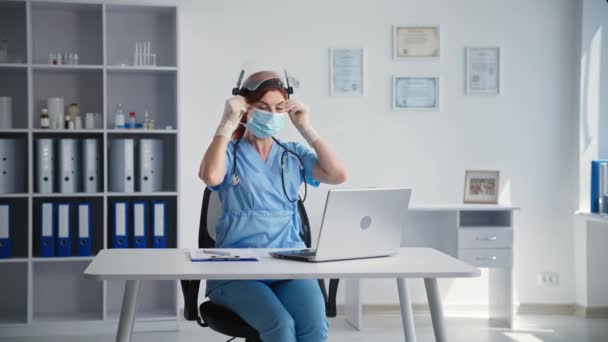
[{"x": 170, "y": 264}]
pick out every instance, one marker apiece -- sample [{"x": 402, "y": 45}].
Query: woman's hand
[
  {"x": 234, "y": 108},
  {"x": 299, "y": 113}
]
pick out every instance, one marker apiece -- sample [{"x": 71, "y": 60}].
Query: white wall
[
  {"x": 590, "y": 255},
  {"x": 528, "y": 132},
  {"x": 593, "y": 142}
]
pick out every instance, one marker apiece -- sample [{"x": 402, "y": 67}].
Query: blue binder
[
  {"x": 5, "y": 230},
  {"x": 47, "y": 230},
  {"x": 84, "y": 229},
  {"x": 64, "y": 236},
  {"x": 120, "y": 225},
  {"x": 159, "y": 224},
  {"x": 595, "y": 184},
  {"x": 140, "y": 225}
]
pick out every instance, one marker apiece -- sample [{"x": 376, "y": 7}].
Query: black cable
[{"x": 286, "y": 152}]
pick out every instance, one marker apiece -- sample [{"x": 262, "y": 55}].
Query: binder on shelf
[
  {"x": 140, "y": 225},
  {"x": 120, "y": 232},
  {"x": 150, "y": 165},
  {"x": 47, "y": 230},
  {"x": 84, "y": 229},
  {"x": 64, "y": 238},
  {"x": 122, "y": 165},
  {"x": 5, "y": 231},
  {"x": 45, "y": 168},
  {"x": 12, "y": 166},
  {"x": 595, "y": 185},
  {"x": 159, "y": 222},
  {"x": 90, "y": 173},
  {"x": 68, "y": 165}
]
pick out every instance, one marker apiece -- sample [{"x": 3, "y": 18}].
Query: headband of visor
[{"x": 262, "y": 80}]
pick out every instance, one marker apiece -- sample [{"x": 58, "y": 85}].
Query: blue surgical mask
[{"x": 265, "y": 124}]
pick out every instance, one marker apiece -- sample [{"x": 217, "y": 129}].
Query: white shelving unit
[{"x": 48, "y": 295}]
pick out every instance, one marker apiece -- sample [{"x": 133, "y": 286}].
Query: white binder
[
  {"x": 68, "y": 165},
  {"x": 45, "y": 168},
  {"x": 12, "y": 166},
  {"x": 122, "y": 165},
  {"x": 90, "y": 163},
  {"x": 150, "y": 165}
]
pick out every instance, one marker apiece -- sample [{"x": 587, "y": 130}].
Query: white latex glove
[
  {"x": 234, "y": 108},
  {"x": 299, "y": 113}
]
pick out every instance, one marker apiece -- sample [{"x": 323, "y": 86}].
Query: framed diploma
[
  {"x": 347, "y": 71},
  {"x": 483, "y": 71},
  {"x": 416, "y": 93},
  {"x": 416, "y": 42}
]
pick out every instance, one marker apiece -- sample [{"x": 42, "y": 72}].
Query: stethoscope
[{"x": 286, "y": 154}]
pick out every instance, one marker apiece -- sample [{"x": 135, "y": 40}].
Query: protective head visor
[{"x": 262, "y": 79}]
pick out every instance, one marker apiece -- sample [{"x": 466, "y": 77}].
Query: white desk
[
  {"x": 134, "y": 265},
  {"x": 480, "y": 235}
]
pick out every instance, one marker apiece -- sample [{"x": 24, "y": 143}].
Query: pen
[{"x": 216, "y": 252}]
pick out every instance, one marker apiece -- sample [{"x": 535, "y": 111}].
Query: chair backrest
[{"x": 211, "y": 211}]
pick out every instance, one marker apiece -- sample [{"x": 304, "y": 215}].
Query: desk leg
[
  {"x": 127, "y": 311},
  {"x": 353, "y": 302},
  {"x": 407, "y": 316},
  {"x": 434, "y": 298},
  {"x": 501, "y": 297}
]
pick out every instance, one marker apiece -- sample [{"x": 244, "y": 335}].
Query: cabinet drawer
[
  {"x": 487, "y": 257},
  {"x": 485, "y": 237}
]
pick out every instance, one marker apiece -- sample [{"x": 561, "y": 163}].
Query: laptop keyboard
[{"x": 307, "y": 253}]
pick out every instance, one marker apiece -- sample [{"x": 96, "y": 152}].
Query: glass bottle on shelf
[
  {"x": 45, "y": 121},
  {"x": 132, "y": 120},
  {"x": 119, "y": 117},
  {"x": 146, "y": 120}
]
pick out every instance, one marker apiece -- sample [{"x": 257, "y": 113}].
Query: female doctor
[{"x": 258, "y": 179}]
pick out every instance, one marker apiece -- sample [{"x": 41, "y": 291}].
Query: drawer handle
[
  {"x": 490, "y": 258},
  {"x": 486, "y": 238}
]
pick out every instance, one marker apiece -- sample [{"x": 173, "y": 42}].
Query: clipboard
[{"x": 198, "y": 255}]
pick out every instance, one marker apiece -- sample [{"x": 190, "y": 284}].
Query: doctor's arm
[
  {"x": 213, "y": 166},
  {"x": 329, "y": 169}
]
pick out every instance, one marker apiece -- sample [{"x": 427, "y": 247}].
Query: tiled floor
[{"x": 387, "y": 328}]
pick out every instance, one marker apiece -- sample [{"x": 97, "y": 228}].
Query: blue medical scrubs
[{"x": 256, "y": 214}]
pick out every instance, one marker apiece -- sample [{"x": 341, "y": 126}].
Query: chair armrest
[{"x": 190, "y": 290}]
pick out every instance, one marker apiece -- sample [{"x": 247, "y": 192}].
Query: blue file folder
[
  {"x": 47, "y": 230},
  {"x": 84, "y": 229},
  {"x": 159, "y": 224},
  {"x": 595, "y": 184},
  {"x": 140, "y": 225},
  {"x": 5, "y": 231},
  {"x": 64, "y": 236},
  {"x": 120, "y": 225}
]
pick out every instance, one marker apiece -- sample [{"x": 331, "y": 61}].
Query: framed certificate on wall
[
  {"x": 483, "y": 71},
  {"x": 416, "y": 93},
  {"x": 347, "y": 71},
  {"x": 416, "y": 42}
]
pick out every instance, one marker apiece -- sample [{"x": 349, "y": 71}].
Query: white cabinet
[{"x": 480, "y": 235}]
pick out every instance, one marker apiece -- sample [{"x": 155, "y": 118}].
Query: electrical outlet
[{"x": 548, "y": 279}]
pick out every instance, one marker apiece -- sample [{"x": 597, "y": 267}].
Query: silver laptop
[{"x": 357, "y": 223}]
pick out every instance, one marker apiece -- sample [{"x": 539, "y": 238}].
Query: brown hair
[{"x": 254, "y": 97}]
